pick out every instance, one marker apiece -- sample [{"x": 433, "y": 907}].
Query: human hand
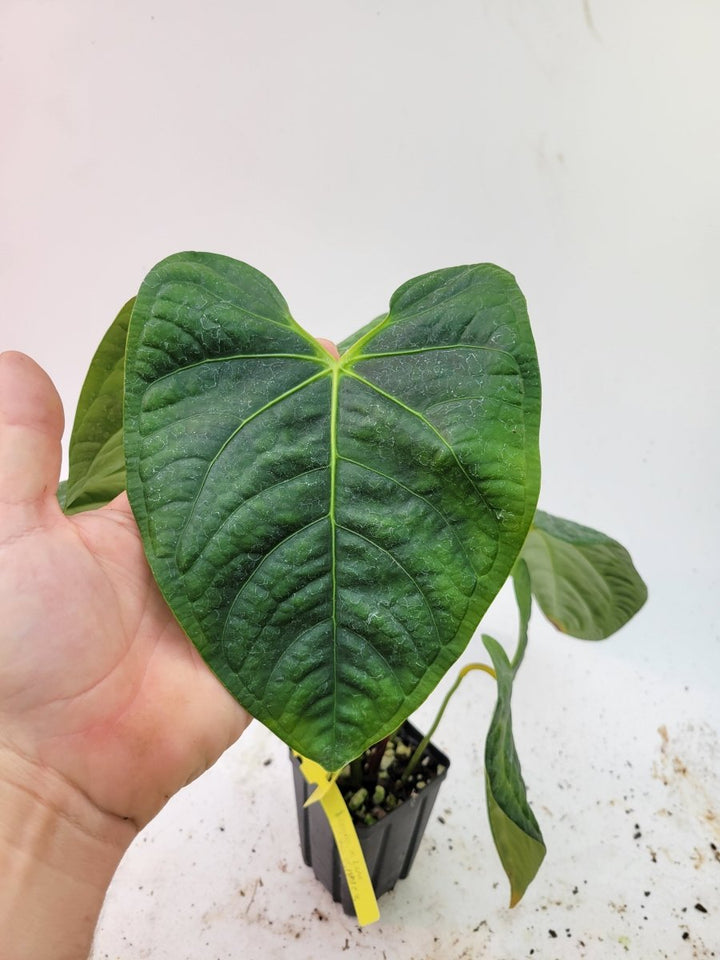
[
  {"x": 98, "y": 684},
  {"x": 106, "y": 708}
]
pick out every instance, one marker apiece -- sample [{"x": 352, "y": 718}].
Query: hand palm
[{"x": 97, "y": 681}]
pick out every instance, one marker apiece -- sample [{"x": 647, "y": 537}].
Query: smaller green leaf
[
  {"x": 96, "y": 457},
  {"x": 515, "y": 830},
  {"x": 523, "y": 598},
  {"x": 61, "y": 493},
  {"x": 585, "y": 582}
]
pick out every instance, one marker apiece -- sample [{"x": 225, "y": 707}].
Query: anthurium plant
[{"x": 329, "y": 531}]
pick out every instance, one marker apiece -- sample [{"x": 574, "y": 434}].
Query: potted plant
[{"x": 329, "y": 531}]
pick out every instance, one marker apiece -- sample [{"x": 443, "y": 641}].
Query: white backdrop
[{"x": 342, "y": 147}]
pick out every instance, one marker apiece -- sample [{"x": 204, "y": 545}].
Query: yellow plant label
[{"x": 327, "y": 793}]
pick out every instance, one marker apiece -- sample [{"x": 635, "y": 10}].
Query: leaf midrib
[{"x": 333, "y": 539}]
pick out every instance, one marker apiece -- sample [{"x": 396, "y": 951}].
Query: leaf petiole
[{"x": 420, "y": 749}]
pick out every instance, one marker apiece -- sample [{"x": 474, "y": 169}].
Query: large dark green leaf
[
  {"x": 329, "y": 533},
  {"x": 515, "y": 830},
  {"x": 96, "y": 460},
  {"x": 585, "y": 582}
]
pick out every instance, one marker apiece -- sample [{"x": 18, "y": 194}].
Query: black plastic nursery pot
[{"x": 389, "y": 846}]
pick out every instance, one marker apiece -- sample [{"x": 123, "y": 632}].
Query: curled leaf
[
  {"x": 515, "y": 830},
  {"x": 96, "y": 457}
]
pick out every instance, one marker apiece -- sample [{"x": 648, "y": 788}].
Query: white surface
[
  {"x": 629, "y": 814},
  {"x": 343, "y": 147}
]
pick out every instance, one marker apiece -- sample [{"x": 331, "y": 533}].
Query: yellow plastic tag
[
  {"x": 314, "y": 773},
  {"x": 359, "y": 883}
]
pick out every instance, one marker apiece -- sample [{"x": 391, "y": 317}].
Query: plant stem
[
  {"x": 356, "y": 773},
  {"x": 375, "y": 755},
  {"x": 421, "y": 747}
]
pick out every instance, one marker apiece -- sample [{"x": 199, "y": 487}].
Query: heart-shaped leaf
[
  {"x": 96, "y": 459},
  {"x": 327, "y": 532},
  {"x": 585, "y": 582},
  {"x": 515, "y": 830}
]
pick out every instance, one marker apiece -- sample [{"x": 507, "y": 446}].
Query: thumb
[{"x": 31, "y": 426}]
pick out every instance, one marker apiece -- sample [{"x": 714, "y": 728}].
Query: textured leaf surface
[
  {"x": 96, "y": 460},
  {"x": 329, "y": 533},
  {"x": 515, "y": 830},
  {"x": 585, "y": 582}
]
